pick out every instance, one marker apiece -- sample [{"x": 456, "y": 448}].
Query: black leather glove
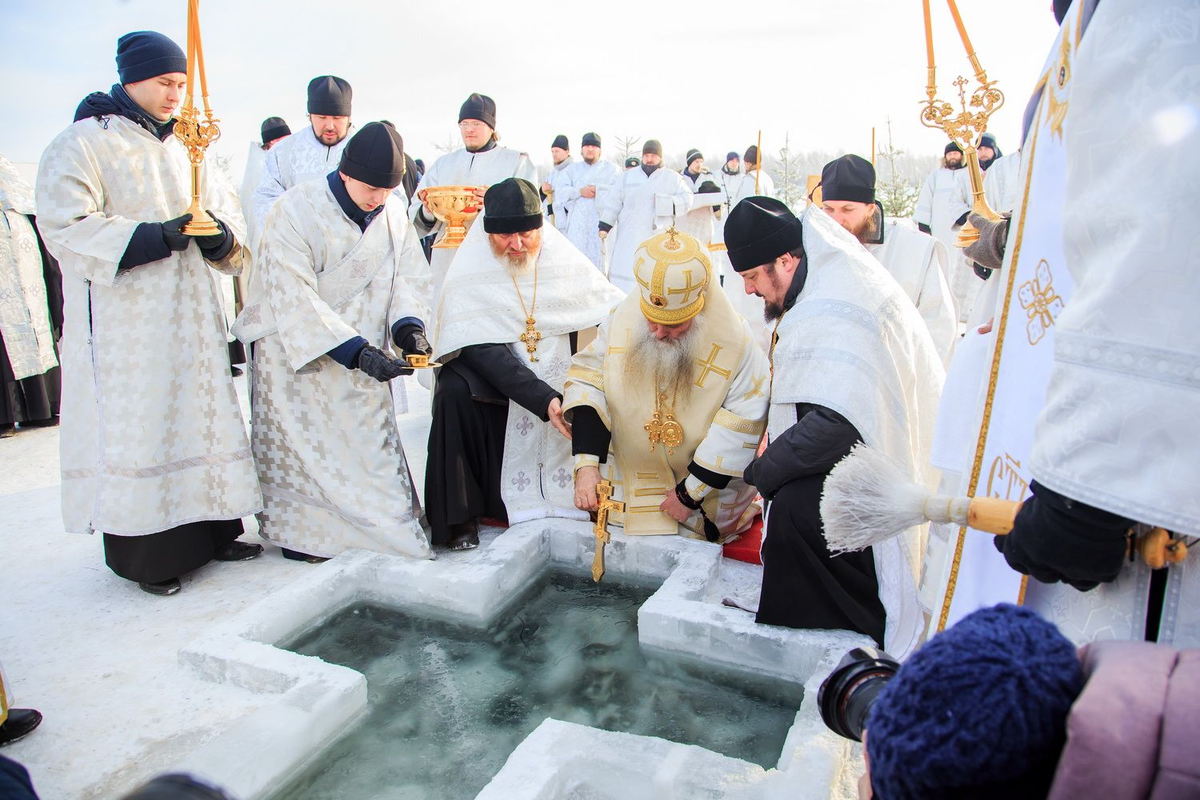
[
  {"x": 379, "y": 365},
  {"x": 214, "y": 243},
  {"x": 414, "y": 342},
  {"x": 988, "y": 250},
  {"x": 1056, "y": 538},
  {"x": 173, "y": 235}
]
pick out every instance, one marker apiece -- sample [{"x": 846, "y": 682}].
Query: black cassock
[
  {"x": 35, "y": 399},
  {"x": 804, "y": 586},
  {"x": 466, "y": 438}
]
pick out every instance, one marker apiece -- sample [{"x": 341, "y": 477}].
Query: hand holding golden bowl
[{"x": 455, "y": 206}]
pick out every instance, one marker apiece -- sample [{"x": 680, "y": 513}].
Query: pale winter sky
[{"x": 690, "y": 73}]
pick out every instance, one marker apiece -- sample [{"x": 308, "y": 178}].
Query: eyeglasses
[{"x": 471, "y": 125}]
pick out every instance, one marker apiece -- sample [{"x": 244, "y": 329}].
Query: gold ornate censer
[
  {"x": 969, "y": 123},
  {"x": 196, "y": 134}
]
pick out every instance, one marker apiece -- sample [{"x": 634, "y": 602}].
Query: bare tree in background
[
  {"x": 895, "y": 191},
  {"x": 225, "y": 164},
  {"x": 791, "y": 179},
  {"x": 628, "y": 146},
  {"x": 450, "y": 145}
]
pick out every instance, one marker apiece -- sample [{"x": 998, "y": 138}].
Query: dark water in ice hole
[{"x": 448, "y": 704}]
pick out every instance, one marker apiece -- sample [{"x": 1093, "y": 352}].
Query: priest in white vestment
[
  {"x": 916, "y": 260},
  {"x": 153, "y": 448},
  {"x": 669, "y": 403},
  {"x": 334, "y": 298},
  {"x": 701, "y": 220},
  {"x": 515, "y": 300},
  {"x": 560, "y": 155},
  {"x": 310, "y": 153},
  {"x": 756, "y": 182},
  {"x": 941, "y": 210},
  {"x": 643, "y": 200},
  {"x": 481, "y": 163},
  {"x": 852, "y": 362},
  {"x": 581, "y": 192},
  {"x": 1117, "y": 441},
  {"x": 30, "y": 312}
]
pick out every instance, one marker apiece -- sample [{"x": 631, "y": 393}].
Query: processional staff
[
  {"x": 965, "y": 127},
  {"x": 196, "y": 134}
]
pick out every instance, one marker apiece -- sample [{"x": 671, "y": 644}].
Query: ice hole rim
[{"x": 318, "y": 702}]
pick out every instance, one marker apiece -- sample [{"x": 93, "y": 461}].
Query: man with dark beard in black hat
[
  {"x": 332, "y": 320},
  {"x": 851, "y": 362},
  {"x": 309, "y": 153},
  {"x": 916, "y": 260}
]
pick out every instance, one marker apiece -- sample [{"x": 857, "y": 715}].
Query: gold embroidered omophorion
[{"x": 531, "y": 336}]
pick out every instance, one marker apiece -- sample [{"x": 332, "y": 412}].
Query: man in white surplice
[
  {"x": 582, "y": 191},
  {"x": 916, "y": 260},
  {"x": 514, "y": 302},
  {"x": 643, "y": 200},
  {"x": 153, "y": 449},
  {"x": 756, "y": 182},
  {"x": 311, "y": 153},
  {"x": 481, "y": 163},
  {"x": 560, "y": 154},
  {"x": 941, "y": 210},
  {"x": 333, "y": 295},
  {"x": 852, "y": 362},
  {"x": 701, "y": 220},
  {"x": 676, "y": 348}
]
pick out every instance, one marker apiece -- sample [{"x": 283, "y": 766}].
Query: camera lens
[{"x": 846, "y": 696}]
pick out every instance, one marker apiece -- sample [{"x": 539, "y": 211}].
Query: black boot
[
  {"x": 239, "y": 551},
  {"x": 464, "y": 536},
  {"x": 296, "y": 555},
  {"x": 20, "y": 723},
  {"x": 162, "y": 588}
]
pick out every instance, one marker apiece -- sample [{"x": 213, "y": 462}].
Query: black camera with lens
[{"x": 846, "y": 696}]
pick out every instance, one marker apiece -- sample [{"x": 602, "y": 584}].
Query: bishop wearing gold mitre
[{"x": 669, "y": 403}]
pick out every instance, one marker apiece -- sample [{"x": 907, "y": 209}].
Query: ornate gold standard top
[
  {"x": 455, "y": 206},
  {"x": 196, "y": 134},
  {"x": 965, "y": 126}
]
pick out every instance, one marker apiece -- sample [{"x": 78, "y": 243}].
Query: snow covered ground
[{"x": 133, "y": 685}]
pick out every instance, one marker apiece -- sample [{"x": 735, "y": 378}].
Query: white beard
[{"x": 669, "y": 363}]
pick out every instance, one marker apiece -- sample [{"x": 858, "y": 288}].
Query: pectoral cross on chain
[
  {"x": 604, "y": 490},
  {"x": 531, "y": 337}
]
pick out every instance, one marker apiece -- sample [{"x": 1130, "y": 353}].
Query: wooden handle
[{"x": 992, "y": 515}]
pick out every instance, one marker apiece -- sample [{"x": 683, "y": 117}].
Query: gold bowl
[{"x": 455, "y": 206}]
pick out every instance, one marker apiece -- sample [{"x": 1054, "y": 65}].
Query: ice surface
[{"x": 449, "y": 703}]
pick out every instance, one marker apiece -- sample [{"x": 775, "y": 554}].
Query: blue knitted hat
[
  {"x": 147, "y": 54},
  {"x": 979, "y": 711}
]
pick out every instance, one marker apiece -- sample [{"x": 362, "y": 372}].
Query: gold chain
[{"x": 531, "y": 336}]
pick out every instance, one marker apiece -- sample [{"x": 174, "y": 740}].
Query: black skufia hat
[
  {"x": 480, "y": 107},
  {"x": 849, "y": 178},
  {"x": 375, "y": 156},
  {"x": 274, "y": 128},
  {"x": 760, "y": 230},
  {"x": 512, "y": 206},
  {"x": 561, "y": 142},
  {"x": 592, "y": 139},
  {"x": 329, "y": 96}
]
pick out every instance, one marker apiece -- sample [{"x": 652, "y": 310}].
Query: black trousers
[
  {"x": 466, "y": 451},
  {"x": 803, "y": 585},
  {"x": 33, "y": 399},
  {"x": 168, "y": 554}
]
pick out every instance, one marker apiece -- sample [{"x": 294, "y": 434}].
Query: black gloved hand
[
  {"x": 173, "y": 235},
  {"x": 379, "y": 365},
  {"x": 414, "y": 342},
  {"x": 988, "y": 250},
  {"x": 923, "y": 228},
  {"x": 1056, "y": 538},
  {"x": 212, "y": 244}
]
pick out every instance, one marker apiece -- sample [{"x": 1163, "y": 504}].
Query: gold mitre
[{"x": 673, "y": 272}]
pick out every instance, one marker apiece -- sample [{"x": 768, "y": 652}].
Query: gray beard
[
  {"x": 518, "y": 265},
  {"x": 669, "y": 364}
]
